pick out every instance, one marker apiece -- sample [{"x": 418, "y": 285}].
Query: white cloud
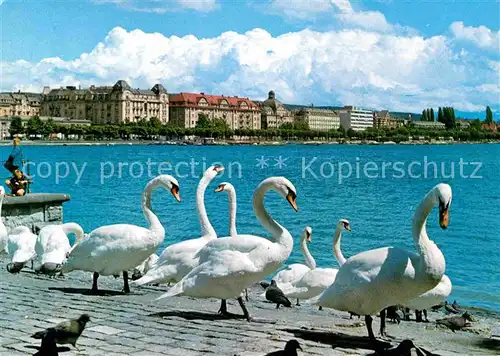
[
  {"x": 371, "y": 20},
  {"x": 481, "y": 36},
  {"x": 162, "y": 6},
  {"x": 371, "y": 69},
  {"x": 341, "y": 10}
]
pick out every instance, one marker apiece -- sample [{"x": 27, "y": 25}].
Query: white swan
[
  {"x": 370, "y": 281},
  {"x": 296, "y": 271},
  {"x": 21, "y": 246},
  {"x": 3, "y": 230},
  {"x": 229, "y": 265},
  {"x": 147, "y": 264},
  {"x": 178, "y": 259},
  {"x": 52, "y": 246},
  {"x": 231, "y": 193},
  {"x": 433, "y": 297},
  {"x": 109, "y": 250},
  {"x": 317, "y": 279}
]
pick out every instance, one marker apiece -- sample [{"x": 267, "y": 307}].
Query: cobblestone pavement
[{"x": 135, "y": 324}]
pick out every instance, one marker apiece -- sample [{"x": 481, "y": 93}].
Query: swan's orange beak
[
  {"x": 220, "y": 188},
  {"x": 309, "y": 237},
  {"x": 218, "y": 169},
  {"x": 443, "y": 216},
  {"x": 175, "y": 193},
  {"x": 291, "y": 199},
  {"x": 347, "y": 227}
]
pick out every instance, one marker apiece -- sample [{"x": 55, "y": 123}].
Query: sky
[{"x": 401, "y": 55}]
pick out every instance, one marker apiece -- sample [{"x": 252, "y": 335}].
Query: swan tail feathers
[
  {"x": 177, "y": 289},
  {"x": 146, "y": 280}
]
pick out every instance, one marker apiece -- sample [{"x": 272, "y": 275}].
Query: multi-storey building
[
  {"x": 119, "y": 103},
  {"x": 274, "y": 114},
  {"x": 355, "y": 118},
  {"x": 239, "y": 113},
  {"x": 20, "y": 104},
  {"x": 383, "y": 119},
  {"x": 319, "y": 119}
]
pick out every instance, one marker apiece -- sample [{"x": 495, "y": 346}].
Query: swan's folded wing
[{"x": 240, "y": 243}]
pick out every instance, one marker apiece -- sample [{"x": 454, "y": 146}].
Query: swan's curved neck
[
  {"x": 310, "y": 262},
  {"x": 1, "y": 203},
  {"x": 430, "y": 255},
  {"x": 74, "y": 228},
  {"x": 206, "y": 228},
  {"x": 337, "y": 252},
  {"x": 279, "y": 233},
  {"x": 154, "y": 223},
  {"x": 232, "y": 212}
]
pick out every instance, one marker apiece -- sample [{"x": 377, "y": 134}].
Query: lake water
[{"x": 379, "y": 203}]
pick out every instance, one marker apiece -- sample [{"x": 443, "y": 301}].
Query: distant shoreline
[{"x": 237, "y": 143}]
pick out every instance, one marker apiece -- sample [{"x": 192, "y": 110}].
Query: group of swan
[
  {"x": 212, "y": 267},
  {"x": 373, "y": 280}
]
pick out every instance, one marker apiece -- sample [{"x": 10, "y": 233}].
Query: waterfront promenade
[{"x": 135, "y": 324}]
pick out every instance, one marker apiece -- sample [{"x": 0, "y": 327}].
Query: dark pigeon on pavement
[
  {"x": 276, "y": 295},
  {"x": 66, "y": 332},
  {"x": 456, "y": 322},
  {"x": 449, "y": 308},
  {"x": 291, "y": 348}
]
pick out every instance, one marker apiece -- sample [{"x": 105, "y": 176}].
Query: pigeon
[
  {"x": 449, "y": 308},
  {"x": 455, "y": 305},
  {"x": 48, "y": 347},
  {"x": 403, "y": 349},
  {"x": 438, "y": 306},
  {"x": 264, "y": 284},
  {"x": 276, "y": 295},
  {"x": 291, "y": 348},
  {"x": 66, "y": 332},
  {"x": 456, "y": 322}
]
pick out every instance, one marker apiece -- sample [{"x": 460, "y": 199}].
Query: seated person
[{"x": 17, "y": 183}]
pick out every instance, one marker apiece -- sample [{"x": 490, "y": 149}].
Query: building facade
[
  {"x": 20, "y": 104},
  {"x": 383, "y": 119},
  {"x": 274, "y": 114},
  {"x": 319, "y": 119},
  {"x": 355, "y": 118},
  {"x": 428, "y": 124},
  {"x": 239, "y": 113},
  {"x": 115, "y": 104}
]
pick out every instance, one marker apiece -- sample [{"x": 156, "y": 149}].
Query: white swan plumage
[
  {"x": 4, "y": 236},
  {"x": 231, "y": 194},
  {"x": 21, "y": 246},
  {"x": 370, "y": 281},
  {"x": 112, "y": 249},
  {"x": 228, "y": 265},
  {"x": 296, "y": 271},
  {"x": 178, "y": 259},
  {"x": 52, "y": 245},
  {"x": 147, "y": 264},
  {"x": 432, "y": 297},
  {"x": 315, "y": 281}
]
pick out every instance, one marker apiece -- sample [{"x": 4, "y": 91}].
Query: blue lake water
[{"x": 378, "y": 203}]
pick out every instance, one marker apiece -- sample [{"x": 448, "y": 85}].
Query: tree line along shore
[{"x": 217, "y": 129}]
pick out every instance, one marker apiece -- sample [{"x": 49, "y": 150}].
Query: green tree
[
  {"x": 489, "y": 115},
  {"x": 48, "y": 127},
  {"x": 16, "y": 126},
  {"x": 432, "y": 115},
  {"x": 34, "y": 126},
  {"x": 155, "y": 122},
  {"x": 203, "y": 121},
  {"x": 424, "y": 115},
  {"x": 440, "y": 115}
]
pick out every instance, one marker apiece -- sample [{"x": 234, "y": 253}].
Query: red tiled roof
[{"x": 192, "y": 99}]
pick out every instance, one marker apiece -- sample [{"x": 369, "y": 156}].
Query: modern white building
[{"x": 355, "y": 118}]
